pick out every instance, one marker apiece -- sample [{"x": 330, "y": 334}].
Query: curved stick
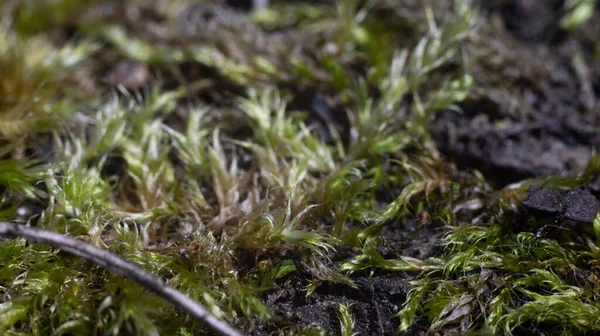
[{"x": 119, "y": 265}]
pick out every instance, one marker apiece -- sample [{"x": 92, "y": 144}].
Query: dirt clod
[{"x": 578, "y": 204}]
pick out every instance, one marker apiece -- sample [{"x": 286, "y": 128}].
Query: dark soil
[
  {"x": 374, "y": 303},
  {"x": 532, "y": 116}
]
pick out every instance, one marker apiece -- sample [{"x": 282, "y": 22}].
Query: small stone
[
  {"x": 131, "y": 75},
  {"x": 578, "y": 205}
]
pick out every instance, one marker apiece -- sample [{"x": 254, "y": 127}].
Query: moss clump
[{"x": 246, "y": 168}]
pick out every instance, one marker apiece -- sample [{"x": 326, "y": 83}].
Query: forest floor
[{"x": 314, "y": 167}]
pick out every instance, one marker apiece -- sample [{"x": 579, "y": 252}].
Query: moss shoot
[{"x": 281, "y": 167}]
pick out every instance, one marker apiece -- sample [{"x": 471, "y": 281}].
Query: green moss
[{"x": 225, "y": 194}]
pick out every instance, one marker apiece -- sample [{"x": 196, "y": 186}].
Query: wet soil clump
[{"x": 578, "y": 204}]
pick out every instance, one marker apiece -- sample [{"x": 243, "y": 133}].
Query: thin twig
[{"x": 119, "y": 265}]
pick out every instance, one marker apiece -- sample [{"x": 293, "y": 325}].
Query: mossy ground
[{"x": 283, "y": 167}]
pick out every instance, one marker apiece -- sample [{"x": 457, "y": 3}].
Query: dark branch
[{"x": 117, "y": 264}]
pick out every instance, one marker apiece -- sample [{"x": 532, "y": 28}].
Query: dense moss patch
[{"x": 309, "y": 168}]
